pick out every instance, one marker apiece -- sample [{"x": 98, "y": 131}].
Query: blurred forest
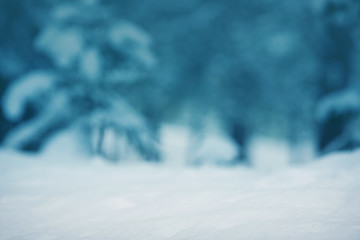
[{"x": 229, "y": 72}]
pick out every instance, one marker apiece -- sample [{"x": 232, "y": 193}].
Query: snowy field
[{"x": 43, "y": 200}]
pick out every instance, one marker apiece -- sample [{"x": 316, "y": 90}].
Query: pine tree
[{"x": 97, "y": 59}]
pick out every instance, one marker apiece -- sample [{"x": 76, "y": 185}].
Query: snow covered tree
[
  {"x": 337, "y": 22},
  {"x": 18, "y": 27},
  {"x": 98, "y": 61},
  {"x": 243, "y": 62}
]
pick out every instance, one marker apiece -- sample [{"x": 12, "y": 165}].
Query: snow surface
[{"x": 41, "y": 198}]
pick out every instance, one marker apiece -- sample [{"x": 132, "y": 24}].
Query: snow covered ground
[{"x": 47, "y": 200}]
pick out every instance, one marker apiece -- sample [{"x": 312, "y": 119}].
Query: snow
[
  {"x": 180, "y": 146},
  {"x": 215, "y": 148},
  {"x": 45, "y": 199},
  {"x": 128, "y": 37},
  {"x": 90, "y": 64},
  {"x": 175, "y": 144},
  {"x": 269, "y": 153},
  {"x": 23, "y": 90},
  {"x": 62, "y": 45},
  {"x": 38, "y": 125},
  {"x": 65, "y": 144},
  {"x": 341, "y": 102},
  {"x": 123, "y": 33}
]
